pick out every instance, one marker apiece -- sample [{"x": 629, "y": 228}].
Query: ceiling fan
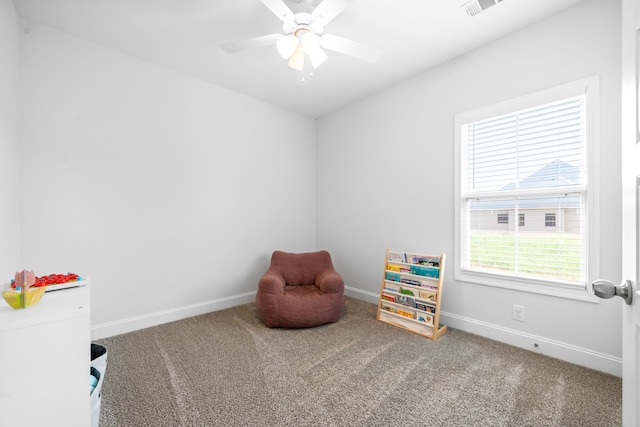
[{"x": 303, "y": 38}]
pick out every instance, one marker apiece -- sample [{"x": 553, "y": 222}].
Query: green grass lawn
[{"x": 545, "y": 255}]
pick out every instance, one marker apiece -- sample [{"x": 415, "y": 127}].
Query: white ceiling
[{"x": 185, "y": 35}]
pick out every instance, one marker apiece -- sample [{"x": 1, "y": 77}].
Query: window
[
  {"x": 550, "y": 220},
  {"x": 528, "y": 157}
]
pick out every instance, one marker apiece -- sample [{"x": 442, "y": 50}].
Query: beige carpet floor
[{"x": 227, "y": 369}]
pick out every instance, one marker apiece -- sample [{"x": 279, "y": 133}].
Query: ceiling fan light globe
[
  {"x": 296, "y": 61},
  {"x": 310, "y": 42},
  {"x": 317, "y": 57},
  {"x": 287, "y": 45}
]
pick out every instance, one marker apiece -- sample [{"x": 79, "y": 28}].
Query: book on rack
[
  {"x": 415, "y": 280},
  {"x": 407, "y": 291},
  {"x": 406, "y": 300},
  {"x": 424, "y": 318},
  {"x": 392, "y": 275},
  {"x": 388, "y": 297},
  {"x": 430, "y": 295},
  {"x": 388, "y": 287},
  {"x": 387, "y": 307},
  {"x": 406, "y": 313},
  {"x": 399, "y": 268},
  {"x": 429, "y": 260},
  {"x": 409, "y": 281},
  {"x": 426, "y": 271},
  {"x": 393, "y": 256},
  {"x": 425, "y": 306}
]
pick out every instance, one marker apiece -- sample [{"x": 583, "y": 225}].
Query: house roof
[{"x": 555, "y": 174}]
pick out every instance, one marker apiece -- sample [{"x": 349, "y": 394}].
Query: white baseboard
[
  {"x": 552, "y": 348},
  {"x": 109, "y": 329},
  {"x": 367, "y": 296}
]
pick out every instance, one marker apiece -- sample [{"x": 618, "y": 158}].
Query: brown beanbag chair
[{"x": 300, "y": 291}]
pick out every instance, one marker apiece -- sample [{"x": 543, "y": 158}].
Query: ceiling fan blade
[
  {"x": 280, "y": 9},
  {"x": 327, "y": 10},
  {"x": 350, "y": 47},
  {"x": 252, "y": 43}
]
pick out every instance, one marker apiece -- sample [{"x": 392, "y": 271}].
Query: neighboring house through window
[{"x": 529, "y": 157}]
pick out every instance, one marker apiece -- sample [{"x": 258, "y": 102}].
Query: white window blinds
[{"x": 526, "y": 164}]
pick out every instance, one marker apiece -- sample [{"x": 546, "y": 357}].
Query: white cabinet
[{"x": 45, "y": 360}]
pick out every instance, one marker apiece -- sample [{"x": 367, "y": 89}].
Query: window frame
[
  {"x": 590, "y": 88},
  {"x": 549, "y": 218}
]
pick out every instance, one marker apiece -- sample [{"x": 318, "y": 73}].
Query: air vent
[{"x": 474, "y": 7}]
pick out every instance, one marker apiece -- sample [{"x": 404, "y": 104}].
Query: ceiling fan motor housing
[{"x": 302, "y": 20}]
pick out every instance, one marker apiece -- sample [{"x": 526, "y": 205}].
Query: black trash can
[{"x": 97, "y": 372}]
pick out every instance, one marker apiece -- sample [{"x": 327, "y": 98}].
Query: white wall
[
  {"x": 386, "y": 179},
  {"x": 169, "y": 192},
  {"x": 9, "y": 142}
]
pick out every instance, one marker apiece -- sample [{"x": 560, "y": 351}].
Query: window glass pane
[
  {"x": 532, "y": 251},
  {"x": 550, "y": 220}
]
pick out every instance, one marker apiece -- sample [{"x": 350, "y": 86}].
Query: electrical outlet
[{"x": 518, "y": 312}]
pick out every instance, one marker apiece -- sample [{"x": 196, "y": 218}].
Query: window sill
[{"x": 559, "y": 290}]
